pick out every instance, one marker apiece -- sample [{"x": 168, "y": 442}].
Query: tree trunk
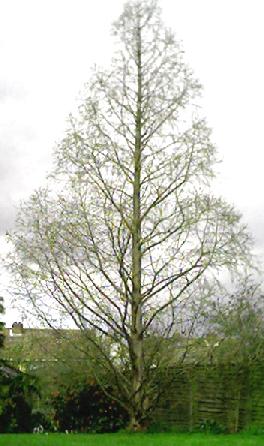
[{"x": 137, "y": 353}]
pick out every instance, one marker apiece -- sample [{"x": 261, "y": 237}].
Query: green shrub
[
  {"x": 212, "y": 427},
  {"x": 40, "y": 418},
  {"x": 17, "y": 391},
  {"x": 86, "y": 408}
]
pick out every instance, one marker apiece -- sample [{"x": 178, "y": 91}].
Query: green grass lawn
[{"x": 130, "y": 440}]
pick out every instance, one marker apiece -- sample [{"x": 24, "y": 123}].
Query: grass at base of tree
[{"x": 130, "y": 440}]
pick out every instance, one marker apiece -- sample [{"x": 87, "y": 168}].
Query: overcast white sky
[{"x": 48, "y": 46}]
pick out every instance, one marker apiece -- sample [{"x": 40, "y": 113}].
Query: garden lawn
[{"x": 130, "y": 440}]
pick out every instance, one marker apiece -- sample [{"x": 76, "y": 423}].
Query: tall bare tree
[{"x": 130, "y": 234}]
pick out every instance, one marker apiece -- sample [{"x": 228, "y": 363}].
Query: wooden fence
[{"x": 228, "y": 396}]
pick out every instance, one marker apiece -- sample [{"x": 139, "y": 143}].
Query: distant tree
[
  {"x": 236, "y": 325},
  {"x": 131, "y": 234}
]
